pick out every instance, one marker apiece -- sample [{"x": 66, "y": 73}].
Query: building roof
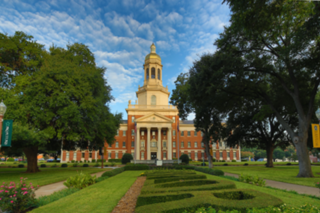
[
  {"x": 187, "y": 122},
  {"x": 124, "y": 121}
]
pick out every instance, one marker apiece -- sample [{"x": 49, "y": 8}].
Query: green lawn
[
  {"x": 251, "y": 163},
  {"x": 15, "y": 164},
  {"x": 292, "y": 200},
  {"x": 100, "y": 197},
  {"x": 46, "y": 176},
  {"x": 279, "y": 173}
]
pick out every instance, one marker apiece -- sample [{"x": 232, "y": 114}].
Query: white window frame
[
  {"x": 174, "y": 144},
  {"x": 189, "y": 144},
  {"x": 117, "y": 144},
  {"x": 195, "y": 144}
]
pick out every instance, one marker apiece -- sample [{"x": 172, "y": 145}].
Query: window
[
  {"x": 90, "y": 155},
  {"x": 142, "y": 133},
  {"x": 67, "y": 155},
  {"x": 174, "y": 144},
  {"x": 132, "y": 119},
  {"x": 220, "y": 154},
  {"x": 189, "y": 154},
  {"x": 202, "y": 144},
  {"x": 174, "y": 132},
  {"x": 117, "y": 144},
  {"x": 189, "y": 144},
  {"x": 195, "y": 133},
  {"x": 196, "y": 144},
  {"x": 153, "y": 73},
  {"x": 132, "y": 143},
  {"x": 201, "y": 134},
  {"x": 74, "y": 155},
  {"x": 174, "y": 155},
  {"x": 153, "y": 144},
  {"x": 202, "y": 155},
  {"x": 174, "y": 119},
  {"x": 182, "y": 144},
  {"x": 220, "y": 144},
  {"x": 214, "y": 145},
  {"x": 123, "y": 144},
  {"x": 82, "y": 154},
  {"x": 142, "y": 154},
  {"x": 142, "y": 143},
  {"x": 153, "y": 100},
  {"x": 117, "y": 132},
  {"x": 153, "y": 133},
  {"x": 182, "y": 133},
  {"x": 159, "y": 74},
  {"x": 164, "y": 133},
  {"x": 189, "y": 133},
  {"x": 147, "y": 73},
  {"x": 164, "y": 144},
  {"x": 234, "y": 155},
  {"x": 164, "y": 155},
  {"x": 132, "y": 132},
  {"x": 215, "y": 155},
  {"x": 124, "y": 133},
  {"x": 117, "y": 155},
  {"x": 228, "y": 154},
  {"x": 109, "y": 155}
]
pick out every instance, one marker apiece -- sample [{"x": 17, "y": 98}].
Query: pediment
[{"x": 154, "y": 117}]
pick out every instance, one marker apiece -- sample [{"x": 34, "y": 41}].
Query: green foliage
[
  {"x": 96, "y": 165},
  {"x": 203, "y": 164},
  {"x": 160, "y": 199},
  {"x": 75, "y": 165},
  {"x": 184, "y": 158},
  {"x": 113, "y": 172},
  {"x": 114, "y": 160},
  {"x": 21, "y": 166},
  {"x": 80, "y": 181},
  {"x": 99, "y": 160},
  {"x": 126, "y": 158},
  {"x": 136, "y": 167},
  {"x": 233, "y": 161},
  {"x": 252, "y": 179},
  {"x": 10, "y": 159},
  {"x": 93, "y": 161},
  {"x": 233, "y": 195},
  {"x": 216, "y": 172},
  {"x": 85, "y": 165},
  {"x": 99, "y": 179},
  {"x": 173, "y": 179},
  {"x": 17, "y": 197},
  {"x": 64, "y": 165},
  {"x": 43, "y": 165},
  {"x": 44, "y": 200}
]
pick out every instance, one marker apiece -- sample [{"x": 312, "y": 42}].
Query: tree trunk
[
  {"x": 207, "y": 150},
  {"x": 270, "y": 155},
  {"x": 32, "y": 159},
  {"x": 303, "y": 156}
]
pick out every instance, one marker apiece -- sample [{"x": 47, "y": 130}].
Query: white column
[
  {"x": 148, "y": 144},
  {"x": 159, "y": 144},
  {"x": 95, "y": 154},
  {"x": 138, "y": 144},
  {"x": 169, "y": 157}
]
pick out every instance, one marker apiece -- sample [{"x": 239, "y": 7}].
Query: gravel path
[
  {"x": 127, "y": 204},
  {"x": 288, "y": 186}
]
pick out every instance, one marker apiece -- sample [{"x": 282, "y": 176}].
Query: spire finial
[{"x": 153, "y": 48}]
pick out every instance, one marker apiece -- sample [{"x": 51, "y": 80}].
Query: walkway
[
  {"x": 288, "y": 186},
  {"x": 50, "y": 188}
]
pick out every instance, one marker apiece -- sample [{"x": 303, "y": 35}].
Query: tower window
[
  {"x": 159, "y": 74},
  {"x": 153, "y": 100},
  {"x": 147, "y": 73},
  {"x": 153, "y": 72}
]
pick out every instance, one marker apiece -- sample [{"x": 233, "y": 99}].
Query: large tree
[{"x": 277, "y": 42}]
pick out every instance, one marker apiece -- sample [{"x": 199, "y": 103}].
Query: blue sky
[{"x": 119, "y": 33}]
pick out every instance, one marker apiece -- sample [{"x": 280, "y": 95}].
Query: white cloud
[{"x": 124, "y": 98}]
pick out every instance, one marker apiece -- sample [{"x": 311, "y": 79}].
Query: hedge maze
[{"x": 179, "y": 191}]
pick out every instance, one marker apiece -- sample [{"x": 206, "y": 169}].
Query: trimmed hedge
[
  {"x": 185, "y": 177},
  {"x": 113, "y": 172},
  {"x": 184, "y": 158},
  {"x": 85, "y": 165},
  {"x": 43, "y": 165},
  {"x": 136, "y": 167},
  {"x": 64, "y": 165},
  {"x": 216, "y": 172},
  {"x": 160, "y": 199},
  {"x": 114, "y": 160},
  {"x": 21, "y": 166},
  {"x": 99, "y": 160},
  {"x": 126, "y": 158}
]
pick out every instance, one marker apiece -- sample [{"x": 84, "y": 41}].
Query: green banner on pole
[{"x": 6, "y": 133}]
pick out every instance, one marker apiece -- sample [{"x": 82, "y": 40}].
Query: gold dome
[{"x": 152, "y": 54}]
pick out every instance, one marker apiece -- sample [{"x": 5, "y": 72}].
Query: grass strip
[
  {"x": 100, "y": 197},
  {"x": 44, "y": 200}
]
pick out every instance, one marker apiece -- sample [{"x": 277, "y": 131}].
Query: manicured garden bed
[{"x": 188, "y": 195}]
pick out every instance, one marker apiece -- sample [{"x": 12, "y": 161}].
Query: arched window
[
  {"x": 153, "y": 72},
  {"x": 158, "y": 74},
  {"x": 153, "y": 100},
  {"x": 147, "y": 73}
]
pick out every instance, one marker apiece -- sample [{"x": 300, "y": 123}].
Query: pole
[
  {"x": 239, "y": 152},
  {"x": 135, "y": 144},
  {"x": 1, "y": 120},
  {"x": 102, "y": 158},
  {"x": 178, "y": 144}
]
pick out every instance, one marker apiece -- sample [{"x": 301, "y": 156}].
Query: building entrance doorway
[{"x": 153, "y": 155}]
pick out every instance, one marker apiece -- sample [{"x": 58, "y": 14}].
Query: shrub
[
  {"x": 203, "y": 164},
  {"x": 93, "y": 161},
  {"x": 10, "y": 159},
  {"x": 114, "y": 160},
  {"x": 99, "y": 160},
  {"x": 136, "y": 167},
  {"x": 126, "y": 158},
  {"x": 233, "y": 161},
  {"x": 85, "y": 165},
  {"x": 216, "y": 172},
  {"x": 96, "y": 165},
  {"x": 75, "y": 165},
  {"x": 99, "y": 179},
  {"x": 72, "y": 161},
  {"x": 113, "y": 172},
  {"x": 21, "y": 166},
  {"x": 64, "y": 165},
  {"x": 225, "y": 164},
  {"x": 184, "y": 158},
  {"x": 17, "y": 197},
  {"x": 43, "y": 165},
  {"x": 181, "y": 167},
  {"x": 80, "y": 181},
  {"x": 250, "y": 179},
  {"x": 246, "y": 164},
  {"x": 223, "y": 161},
  {"x": 213, "y": 160},
  {"x": 288, "y": 164},
  {"x": 54, "y": 165}
]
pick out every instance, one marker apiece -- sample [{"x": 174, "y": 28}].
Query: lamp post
[
  {"x": 3, "y": 109},
  {"x": 318, "y": 114}
]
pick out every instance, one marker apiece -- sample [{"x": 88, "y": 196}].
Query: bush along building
[{"x": 151, "y": 129}]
